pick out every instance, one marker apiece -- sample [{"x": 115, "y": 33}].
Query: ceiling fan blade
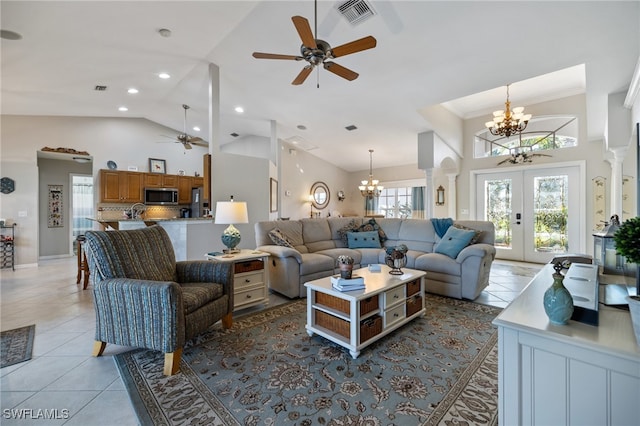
[
  {"x": 304, "y": 31},
  {"x": 260, "y": 55},
  {"x": 359, "y": 45},
  {"x": 187, "y": 145},
  {"x": 341, "y": 71},
  {"x": 193, "y": 139},
  {"x": 201, "y": 142},
  {"x": 303, "y": 75}
]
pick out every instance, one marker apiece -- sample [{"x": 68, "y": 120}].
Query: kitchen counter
[
  {"x": 191, "y": 237},
  {"x": 131, "y": 223}
]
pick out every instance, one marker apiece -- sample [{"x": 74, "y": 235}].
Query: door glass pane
[
  {"x": 498, "y": 209},
  {"x": 82, "y": 204},
  {"x": 550, "y": 212}
]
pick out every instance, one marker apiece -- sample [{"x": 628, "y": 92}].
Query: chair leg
[
  {"x": 227, "y": 320},
  {"x": 172, "y": 362},
  {"x": 98, "y": 347}
]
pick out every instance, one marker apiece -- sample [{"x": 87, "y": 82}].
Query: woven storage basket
[
  {"x": 335, "y": 324},
  {"x": 414, "y": 305},
  {"x": 333, "y": 302},
  {"x": 413, "y": 287},
  {"x": 248, "y": 266},
  {"x": 369, "y": 304},
  {"x": 370, "y": 327}
]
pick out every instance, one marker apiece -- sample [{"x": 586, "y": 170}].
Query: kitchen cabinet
[
  {"x": 158, "y": 180},
  {"x": 121, "y": 186},
  {"x": 185, "y": 183},
  {"x": 198, "y": 182}
]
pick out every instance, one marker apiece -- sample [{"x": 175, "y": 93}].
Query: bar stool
[{"x": 83, "y": 266}]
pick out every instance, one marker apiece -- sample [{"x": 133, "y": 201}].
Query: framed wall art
[
  {"x": 55, "y": 216},
  {"x": 157, "y": 166}
]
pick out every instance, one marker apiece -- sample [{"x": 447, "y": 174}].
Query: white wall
[{"x": 299, "y": 170}]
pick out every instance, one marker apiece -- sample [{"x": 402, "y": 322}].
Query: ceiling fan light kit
[{"x": 319, "y": 52}]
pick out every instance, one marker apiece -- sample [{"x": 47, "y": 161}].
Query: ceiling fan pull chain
[{"x": 318, "y": 78}]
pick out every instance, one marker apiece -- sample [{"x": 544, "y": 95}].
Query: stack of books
[{"x": 342, "y": 284}]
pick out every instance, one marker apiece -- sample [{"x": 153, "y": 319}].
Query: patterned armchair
[{"x": 144, "y": 298}]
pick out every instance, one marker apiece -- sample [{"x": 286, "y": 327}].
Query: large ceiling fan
[
  {"x": 318, "y": 52},
  {"x": 187, "y": 140}
]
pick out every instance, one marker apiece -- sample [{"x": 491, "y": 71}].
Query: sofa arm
[
  {"x": 281, "y": 251},
  {"x": 140, "y": 313},
  {"x": 206, "y": 271},
  {"x": 479, "y": 249}
]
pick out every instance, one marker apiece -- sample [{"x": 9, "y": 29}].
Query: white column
[
  {"x": 616, "y": 179},
  {"x": 451, "y": 195},
  {"x": 429, "y": 200}
]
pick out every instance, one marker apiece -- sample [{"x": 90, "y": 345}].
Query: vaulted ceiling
[{"x": 459, "y": 54}]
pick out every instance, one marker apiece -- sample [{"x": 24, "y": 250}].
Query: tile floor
[{"x": 82, "y": 390}]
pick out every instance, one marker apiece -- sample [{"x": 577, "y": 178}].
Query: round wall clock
[{"x": 7, "y": 185}]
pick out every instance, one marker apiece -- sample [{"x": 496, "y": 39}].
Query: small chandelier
[
  {"x": 370, "y": 188},
  {"x": 508, "y": 122}
]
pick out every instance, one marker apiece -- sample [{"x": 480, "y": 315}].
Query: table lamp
[{"x": 228, "y": 213}]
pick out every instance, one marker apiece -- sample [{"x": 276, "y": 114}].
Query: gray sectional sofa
[{"x": 318, "y": 242}]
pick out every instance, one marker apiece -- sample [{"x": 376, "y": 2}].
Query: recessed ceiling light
[
  {"x": 164, "y": 32},
  {"x": 302, "y": 127},
  {"x": 132, "y": 90},
  {"x": 351, "y": 127},
  {"x": 196, "y": 128},
  {"x": 123, "y": 109},
  {"x": 239, "y": 109},
  {"x": 164, "y": 75}
]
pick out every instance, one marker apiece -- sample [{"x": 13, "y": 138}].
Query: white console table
[{"x": 574, "y": 374}]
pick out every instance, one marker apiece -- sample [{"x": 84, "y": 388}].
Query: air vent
[
  {"x": 351, "y": 127},
  {"x": 355, "y": 11},
  {"x": 100, "y": 88},
  {"x": 234, "y": 134}
]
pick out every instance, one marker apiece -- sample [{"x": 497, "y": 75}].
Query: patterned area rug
[
  {"x": 438, "y": 369},
  {"x": 16, "y": 345}
]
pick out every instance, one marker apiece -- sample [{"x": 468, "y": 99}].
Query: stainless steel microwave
[{"x": 161, "y": 196}]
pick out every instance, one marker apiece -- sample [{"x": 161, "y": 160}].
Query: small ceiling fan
[
  {"x": 184, "y": 138},
  {"x": 318, "y": 52}
]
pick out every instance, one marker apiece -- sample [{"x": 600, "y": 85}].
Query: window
[
  {"x": 543, "y": 133},
  {"x": 395, "y": 202}
]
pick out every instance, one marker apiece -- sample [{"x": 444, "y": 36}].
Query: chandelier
[
  {"x": 508, "y": 122},
  {"x": 370, "y": 188}
]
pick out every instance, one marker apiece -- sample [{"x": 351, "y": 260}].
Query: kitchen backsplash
[{"x": 117, "y": 211}]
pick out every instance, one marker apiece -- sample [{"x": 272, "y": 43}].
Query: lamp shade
[{"x": 228, "y": 212}]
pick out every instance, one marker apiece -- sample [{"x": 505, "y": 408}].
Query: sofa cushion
[
  {"x": 279, "y": 238},
  {"x": 453, "y": 241},
  {"x": 371, "y": 225},
  {"x": 338, "y": 251},
  {"x": 370, "y": 239},
  {"x": 313, "y": 263}
]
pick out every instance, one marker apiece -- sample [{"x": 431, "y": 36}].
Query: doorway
[{"x": 536, "y": 212}]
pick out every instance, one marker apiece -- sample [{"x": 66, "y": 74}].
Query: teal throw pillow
[
  {"x": 453, "y": 241},
  {"x": 369, "y": 239}
]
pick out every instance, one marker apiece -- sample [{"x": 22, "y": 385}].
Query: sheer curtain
[
  {"x": 417, "y": 202},
  {"x": 370, "y": 206}
]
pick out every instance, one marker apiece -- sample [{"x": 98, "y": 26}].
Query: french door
[{"x": 536, "y": 212}]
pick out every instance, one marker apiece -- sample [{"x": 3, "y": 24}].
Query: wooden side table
[{"x": 251, "y": 277}]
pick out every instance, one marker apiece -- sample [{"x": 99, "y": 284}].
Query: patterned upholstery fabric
[{"x": 144, "y": 298}]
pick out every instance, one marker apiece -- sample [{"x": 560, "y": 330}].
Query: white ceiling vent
[{"x": 355, "y": 11}]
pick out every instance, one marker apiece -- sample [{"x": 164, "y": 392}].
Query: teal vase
[{"x": 558, "y": 303}]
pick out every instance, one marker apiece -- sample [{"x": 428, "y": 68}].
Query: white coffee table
[{"x": 355, "y": 319}]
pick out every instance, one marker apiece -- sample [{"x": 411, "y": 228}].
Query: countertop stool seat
[{"x": 83, "y": 267}]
